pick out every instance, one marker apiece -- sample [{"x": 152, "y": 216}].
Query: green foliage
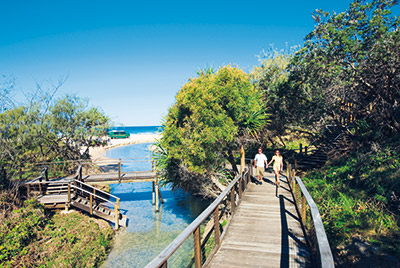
[
  {"x": 18, "y": 230},
  {"x": 46, "y": 132},
  {"x": 271, "y": 78},
  {"x": 31, "y": 239},
  {"x": 212, "y": 113},
  {"x": 350, "y": 57},
  {"x": 354, "y": 196}
]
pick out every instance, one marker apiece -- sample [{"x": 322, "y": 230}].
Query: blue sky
[{"x": 130, "y": 58}]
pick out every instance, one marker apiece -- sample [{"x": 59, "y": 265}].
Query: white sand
[{"x": 98, "y": 154}]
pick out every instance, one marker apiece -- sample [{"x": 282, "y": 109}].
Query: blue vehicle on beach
[{"x": 118, "y": 134}]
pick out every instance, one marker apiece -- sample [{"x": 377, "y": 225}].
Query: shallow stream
[{"x": 148, "y": 232}]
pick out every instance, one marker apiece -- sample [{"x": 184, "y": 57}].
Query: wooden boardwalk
[
  {"x": 136, "y": 176},
  {"x": 265, "y": 231}
]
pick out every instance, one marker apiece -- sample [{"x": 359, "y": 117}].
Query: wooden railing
[
  {"x": 322, "y": 254},
  {"x": 72, "y": 188},
  {"x": 37, "y": 182},
  {"x": 208, "y": 222},
  {"x": 94, "y": 195}
]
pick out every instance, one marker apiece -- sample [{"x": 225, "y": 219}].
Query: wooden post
[
  {"x": 294, "y": 184},
  {"x": 154, "y": 193},
  {"x": 301, "y": 148},
  {"x": 159, "y": 194},
  {"x": 69, "y": 193},
  {"x": 247, "y": 177},
  {"x": 242, "y": 159},
  {"x": 239, "y": 184},
  {"x": 295, "y": 164},
  {"x": 305, "y": 150},
  {"x": 119, "y": 170},
  {"x": 216, "y": 227},
  {"x": 233, "y": 205},
  {"x": 303, "y": 210},
  {"x": 91, "y": 204},
  {"x": 116, "y": 212},
  {"x": 197, "y": 249},
  {"x": 157, "y": 209}
]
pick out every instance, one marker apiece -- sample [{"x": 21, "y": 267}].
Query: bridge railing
[
  {"x": 322, "y": 254},
  {"x": 73, "y": 187},
  {"x": 208, "y": 229},
  {"x": 94, "y": 195},
  {"x": 36, "y": 184}
]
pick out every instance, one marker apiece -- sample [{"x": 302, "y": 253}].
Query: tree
[
  {"x": 213, "y": 114},
  {"x": 271, "y": 78},
  {"x": 350, "y": 58},
  {"x": 38, "y": 133},
  {"x": 77, "y": 127}
]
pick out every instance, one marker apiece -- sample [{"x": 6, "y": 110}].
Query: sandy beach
[{"x": 98, "y": 154}]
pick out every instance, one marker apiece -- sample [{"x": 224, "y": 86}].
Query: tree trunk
[{"x": 242, "y": 159}]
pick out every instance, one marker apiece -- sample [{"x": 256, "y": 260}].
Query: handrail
[
  {"x": 97, "y": 190},
  {"x": 77, "y": 184},
  {"x": 324, "y": 249},
  {"x": 78, "y": 173},
  {"x": 93, "y": 194},
  {"x": 324, "y": 256},
  {"x": 91, "y": 161},
  {"x": 193, "y": 228},
  {"x": 42, "y": 174}
]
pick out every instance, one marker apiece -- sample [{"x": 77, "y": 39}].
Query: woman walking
[{"x": 278, "y": 166}]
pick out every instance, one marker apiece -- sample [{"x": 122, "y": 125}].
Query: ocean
[{"x": 138, "y": 129}]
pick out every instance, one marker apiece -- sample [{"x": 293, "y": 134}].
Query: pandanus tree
[{"x": 213, "y": 114}]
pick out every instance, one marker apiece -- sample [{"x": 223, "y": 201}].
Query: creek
[{"x": 149, "y": 232}]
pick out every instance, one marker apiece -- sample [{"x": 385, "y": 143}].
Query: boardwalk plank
[{"x": 265, "y": 231}]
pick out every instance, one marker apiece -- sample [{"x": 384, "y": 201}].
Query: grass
[
  {"x": 30, "y": 238},
  {"x": 354, "y": 196}
]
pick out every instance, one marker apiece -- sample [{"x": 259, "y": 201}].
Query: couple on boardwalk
[{"x": 260, "y": 162}]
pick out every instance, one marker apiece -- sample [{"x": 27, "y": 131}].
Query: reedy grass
[{"x": 354, "y": 198}]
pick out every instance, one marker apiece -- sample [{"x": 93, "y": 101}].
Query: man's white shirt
[{"x": 260, "y": 160}]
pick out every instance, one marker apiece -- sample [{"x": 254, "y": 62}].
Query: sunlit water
[{"x": 148, "y": 232}]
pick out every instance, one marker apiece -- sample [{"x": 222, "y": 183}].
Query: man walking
[{"x": 260, "y": 161}]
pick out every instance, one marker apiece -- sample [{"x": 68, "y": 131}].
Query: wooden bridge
[
  {"x": 266, "y": 230},
  {"x": 119, "y": 177},
  {"x": 251, "y": 225},
  {"x": 72, "y": 192},
  {"x": 77, "y": 191}
]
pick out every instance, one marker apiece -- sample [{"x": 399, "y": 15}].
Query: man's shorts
[{"x": 260, "y": 171}]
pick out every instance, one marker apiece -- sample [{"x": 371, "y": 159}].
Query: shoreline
[{"x": 98, "y": 154}]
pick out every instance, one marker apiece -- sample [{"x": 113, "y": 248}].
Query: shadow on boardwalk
[{"x": 265, "y": 231}]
